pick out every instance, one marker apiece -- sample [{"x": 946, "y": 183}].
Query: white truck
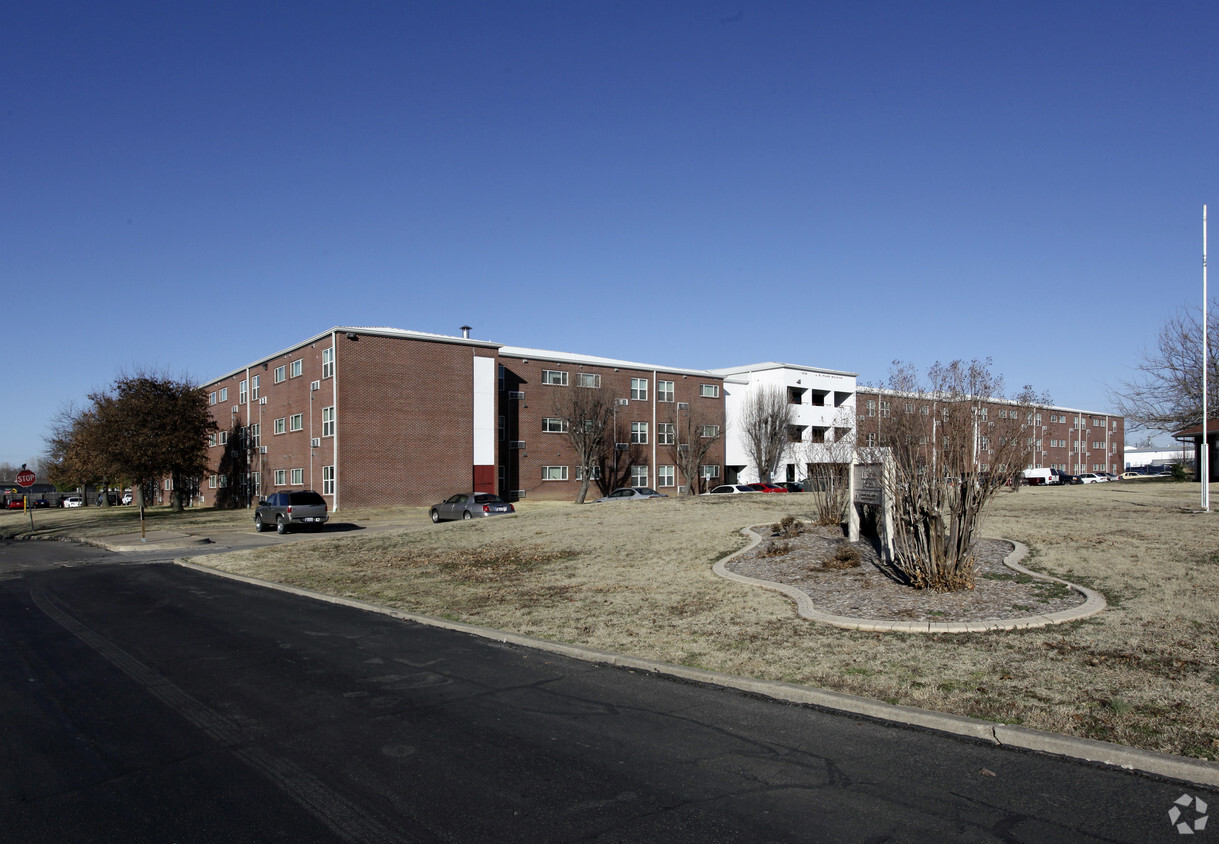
[{"x": 1040, "y": 477}]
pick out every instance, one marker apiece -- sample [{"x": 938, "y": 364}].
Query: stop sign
[{"x": 25, "y": 477}]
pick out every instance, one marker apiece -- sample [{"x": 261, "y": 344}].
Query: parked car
[
  {"x": 1091, "y": 478},
  {"x": 766, "y": 487},
  {"x": 1129, "y": 476},
  {"x": 40, "y": 503},
  {"x": 470, "y": 505},
  {"x": 731, "y": 489},
  {"x": 127, "y": 498},
  {"x": 286, "y": 510},
  {"x": 789, "y": 486},
  {"x": 73, "y": 501},
  {"x": 632, "y": 493},
  {"x": 16, "y": 504},
  {"x": 1109, "y": 476},
  {"x": 113, "y": 498}
]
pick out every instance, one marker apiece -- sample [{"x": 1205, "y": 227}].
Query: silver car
[
  {"x": 287, "y": 510},
  {"x": 731, "y": 489},
  {"x": 632, "y": 493},
  {"x": 470, "y": 505}
]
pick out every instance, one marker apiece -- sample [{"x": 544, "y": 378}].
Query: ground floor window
[
  {"x": 327, "y": 480},
  {"x": 639, "y": 476},
  {"x": 666, "y": 476},
  {"x": 554, "y": 473},
  {"x": 298, "y": 477},
  {"x": 281, "y": 477}
]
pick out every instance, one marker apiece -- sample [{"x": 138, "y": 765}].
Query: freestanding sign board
[
  {"x": 26, "y": 478},
  {"x": 867, "y": 489}
]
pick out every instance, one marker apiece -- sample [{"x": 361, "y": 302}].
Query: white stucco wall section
[{"x": 484, "y": 411}]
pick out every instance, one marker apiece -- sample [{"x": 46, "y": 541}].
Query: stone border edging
[
  {"x": 1094, "y": 602},
  {"x": 1193, "y": 771}
]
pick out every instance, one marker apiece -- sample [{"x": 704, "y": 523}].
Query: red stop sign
[{"x": 25, "y": 477}]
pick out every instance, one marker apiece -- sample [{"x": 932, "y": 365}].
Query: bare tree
[
  {"x": 586, "y": 415},
  {"x": 695, "y": 433},
  {"x": 829, "y": 466},
  {"x": 766, "y": 415},
  {"x": 1167, "y": 393},
  {"x": 951, "y": 444}
]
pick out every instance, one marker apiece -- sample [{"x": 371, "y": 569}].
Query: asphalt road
[{"x": 142, "y": 701}]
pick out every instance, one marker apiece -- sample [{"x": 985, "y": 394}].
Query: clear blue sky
[{"x": 186, "y": 187}]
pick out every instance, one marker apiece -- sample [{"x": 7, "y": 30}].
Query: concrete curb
[
  {"x": 1129, "y": 759},
  {"x": 1093, "y": 603}
]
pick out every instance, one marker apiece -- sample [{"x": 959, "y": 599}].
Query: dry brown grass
[{"x": 636, "y": 579}]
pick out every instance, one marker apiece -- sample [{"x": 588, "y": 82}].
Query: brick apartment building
[
  {"x": 381, "y": 416},
  {"x": 1071, "y": 440}
]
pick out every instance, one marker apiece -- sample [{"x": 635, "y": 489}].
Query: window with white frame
[
  {"x": 224, "y": 394},
  {"x": 708, "y": 431},
  {"x": 281, "y": 425},
  {"x": 222, "y": 480},
  {"x": 211, "y": 398},
  {"x": 666, "y": 476},
  {"x": 327, "y": 480},
  {"x": 709, "y": 471},
  {"x": 298, "y": 366},
  {"x": 554, "y": 425},
  {"x": 639, "y": 476},
  {"x": 281, "y": 373},
  {"x": 594, "y": 475},
  {"x": 709, "y": 391},
  {"x": 281, "y": 477},
  {"x": 328, "y": 362},
  {"x": 243, "y": 392},
  {"x": 871, "y": 405},
  {"x": 665, "y": 390},
  {"x": 211, "y": 440},
  {"x": 588, "y": 379},
  {"x": 554, "y": 377},
  {"x": 554, "y": 473},
  {"x": 254, "y": 381},
  {"x": 298, "y": 477},
  {"x": 666, "y": 433},
  {"x": 328, "y": 421},
  {"x": 639, "y": 389},
  {"x": 639, "y": 433},
  {"x": 169, "y": 484},
  {"x": 884, "y": 410},
  {"x": 222, "y": 438},
  {"x": 211, "y": 481},
  {"x": 256, "y": 481},
  {"x": 296, "y": 422}
]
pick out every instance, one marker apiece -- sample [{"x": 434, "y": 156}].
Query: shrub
[
  {"x": 775, "y": 549},
  {"x": 844, "y": 556},
  {"x": 789, "y": 527}
]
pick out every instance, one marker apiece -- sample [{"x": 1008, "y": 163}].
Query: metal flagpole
[{"x": 1204, "y": 463}]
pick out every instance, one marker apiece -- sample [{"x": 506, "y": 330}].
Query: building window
[
  {"x": 211, "y": 398},
  {"x": 588, "y": 379},
  {"x": 666, "y": 476},
  {"x": 499, "y": 377},
  {"x": 281, "y": 477},
  {"x": 281, "y": 424},
  {"x": 871, "y": 407},
  {"x": 639, "y": 476},
  {"x": 554, "y": 473},
  {"x": 298, "y": 477},
  {"x": 211, "y": 481},
  {"x": 222, "y": 480},
  {"x": 884, "y": 410},
  {"x": 708, "y": 431},
  {"x": 503, "y": 428},
  {"x": 211, "y": 440},
  {"x": 708, "y": 472},
  {"x": 256, "y": 434},
  {"x": 281, "y": 373},
  {"x": 666, "y": 433},
  {"x": 298, "y": 366},
  {"x": 639, "y": 389},
  {"x": 169, "y": 484},
  {"x": 327, "y": 480},
  {"x": 639, "y": 433},
  {"x": 224, "y": 394},
  {"x": 709, "y": 391},
  {"x": 594, "y": 475},
  {"x": 297, "y": 422},
  {"x": 223, "y": 438},
  {"x": 554, "y": 425},
  {"x": 254, "y": 387},
  {"x": 871, "y": 441},
  {"x": 328, "y": 362},
  {"x": 554, "y": 377},
  {"x": 328, "y": 421},
  {"x": 664, "y": 390},
  {"x": 243, "y": 392}
]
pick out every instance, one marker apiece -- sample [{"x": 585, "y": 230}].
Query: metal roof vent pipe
[{"x": 465, "y": 332}]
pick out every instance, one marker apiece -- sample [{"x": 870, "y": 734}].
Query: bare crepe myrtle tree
[
  {"x": 1167, "y": 393},
  {"x": 766, "y": 415},
  {"x": 586, "y": 415},
  {"x": 952, "y": 442},
  {"x": 829, "y": 466},
  {"x": 695, "y": 433}
]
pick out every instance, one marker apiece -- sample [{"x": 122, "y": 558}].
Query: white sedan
[
  {"x": 1092, "y": 478},
  {"x": 731, "y": 489}
]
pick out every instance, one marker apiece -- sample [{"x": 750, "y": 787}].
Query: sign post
[{"x": 25, "y": 479}]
